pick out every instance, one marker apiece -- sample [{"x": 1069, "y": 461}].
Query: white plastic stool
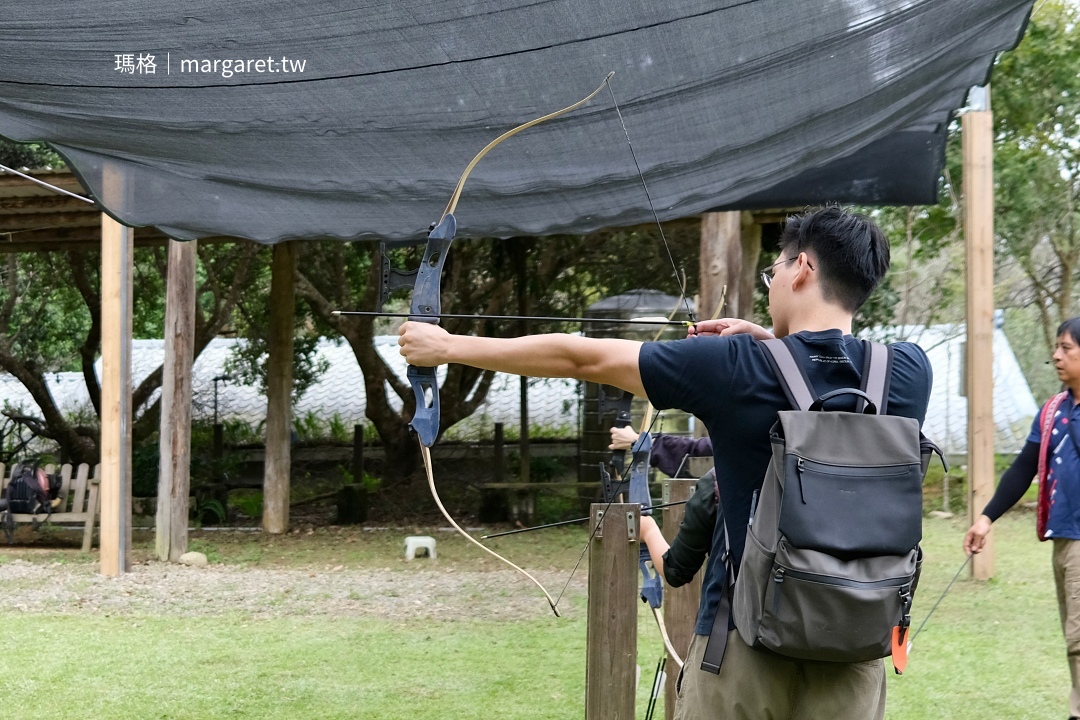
[{"x": 419, "y": 542}]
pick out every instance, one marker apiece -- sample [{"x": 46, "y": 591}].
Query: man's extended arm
[{"x": 607, "y": 361}]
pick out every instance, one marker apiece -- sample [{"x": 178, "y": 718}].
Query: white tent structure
[{"x": 946, "y": 417}]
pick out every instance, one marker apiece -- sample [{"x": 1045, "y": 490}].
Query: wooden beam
[
  {"x": 611, "y": 633},
  {"x": 978, "y": 187},
  {"x": 61, "y": 179},
  {"x": 279, "y": 390},
  {"x": 42, "y": 220},
  {"x": 117, "y": 247},
  {"x": 174, "y": 474},
  {"x": 48, "y": 203},
  {"x": 681, "y": 603},
  {"x": 83, "y": 238}
]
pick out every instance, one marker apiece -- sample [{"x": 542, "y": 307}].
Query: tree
[
  {"x": 557, "y": 275},
  {"x": 50, "y": 320},
  {"x": 1036, "y": 102},
  {"x": 28, "y": 155}
]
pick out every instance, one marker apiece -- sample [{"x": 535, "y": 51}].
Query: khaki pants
[
  {"x": 1067, "y": 581},
  {"x": 756, "y": 685}
]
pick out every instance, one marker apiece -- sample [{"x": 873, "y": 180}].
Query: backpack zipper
[
  {"x": 780, "y": 572},
  {"x": 804, "y": 464}
]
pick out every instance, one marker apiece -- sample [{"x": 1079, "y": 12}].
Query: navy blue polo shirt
[
  {"x": 1064, "y": 472},
  {"x": 729, "y": 385}
]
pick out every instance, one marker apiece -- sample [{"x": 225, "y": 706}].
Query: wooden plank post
[
  {"x": 611, "y": 635},
  {"x": 977, "y": 133},
  {"x": 117, "y": 250},
  {"x": 499, "y": 460},
  {"x": 730, "y": 247},
  {"x": 681, "y": 603},
  {"x": 174, "y": 474},
  {"x": 352, "y": 499},
  {"x": 279, "y": 390},
  {"x": 358, "y": 454}
]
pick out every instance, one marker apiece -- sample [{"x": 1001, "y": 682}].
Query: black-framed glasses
[{"x": 766, "y": 276}]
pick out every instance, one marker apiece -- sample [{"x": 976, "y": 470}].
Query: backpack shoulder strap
[
  {"x": 877, "y": 375},
  {"x": 792, "y": 379}
]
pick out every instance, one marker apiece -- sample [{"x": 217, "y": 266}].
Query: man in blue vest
[{"x": 1051, "y": 453}]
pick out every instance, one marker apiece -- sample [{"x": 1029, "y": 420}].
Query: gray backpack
[{"x": 832, "y": 555}]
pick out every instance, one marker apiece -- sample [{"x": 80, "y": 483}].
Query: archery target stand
[{"x": 419, "y": 542}]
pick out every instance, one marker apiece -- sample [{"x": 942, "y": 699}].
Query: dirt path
[{"x": 155, "y": 588}]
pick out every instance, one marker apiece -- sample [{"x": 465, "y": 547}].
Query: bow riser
[{"x": 426, "y": 307}]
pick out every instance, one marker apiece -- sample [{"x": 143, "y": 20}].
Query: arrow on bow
[{"x": 527, "y": 318}]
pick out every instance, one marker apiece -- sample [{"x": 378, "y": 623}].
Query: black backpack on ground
[{"x": 30, "y": 492}]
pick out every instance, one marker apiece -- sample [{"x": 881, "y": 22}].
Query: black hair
[
  {"x": 852, "y": 253},
  {"x": 1071, "y": 326}
]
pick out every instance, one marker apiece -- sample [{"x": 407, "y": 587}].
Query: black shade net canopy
[{"x": 353, "y": 119}]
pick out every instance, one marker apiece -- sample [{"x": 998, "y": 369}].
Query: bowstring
[
  {"x": 941, "y": 597},
  {"x": 648, "y": 195}
]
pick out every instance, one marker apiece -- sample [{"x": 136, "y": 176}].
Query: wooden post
[
  {"x": 523, "y": 437},
  {"x": 520, "y": 250},
  {"x": 358, "y": 454},
  {"x": 730, "y": 247},
  {"x": 499, "y": 461},
  {"x": 978, "y": 186},
  {"x": 681, "y": 603},
  {"x": 742, "y": 305},
  {"x": 174, "y": 474},
  {"x": 352, "y": 499},
  {"x": 611, "y": 635},
  {"x": 279, "y": 390},
  {"x": 117, "y": 249},
  {"x": 219, "y": 442},
  {"x": 495, "y": 502}
]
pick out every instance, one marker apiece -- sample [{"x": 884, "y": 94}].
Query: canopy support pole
[
  {"x": 279, "y": 382},
  {"x": 174, "y": 475},
  {"x": 977, "y": 131},
  {"x": 117, "y": 251}
]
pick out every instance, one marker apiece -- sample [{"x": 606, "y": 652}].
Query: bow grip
[
  {"x": 619, "y": 403},
  {"x": 652, "y": 586},
  {"x": 426, "y": 307},
  {"x": 425, "y": 385},
  {"x": 639, "y": 473}
]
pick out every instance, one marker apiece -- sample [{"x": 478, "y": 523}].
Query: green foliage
[
  {"x": 49, "y": 318},
  {"x": 248, "y": 502},
  {"x": 370, "y": 482},
  {"x": 145, "y": 463},
  {"x": 308, "y": 427},
  {"x": 205, "y": 468},
  {"x": 1036, "y": 102},
  {"x": 211, "y": 512},
  {"x": 248, "y": 361},
  {"x": 339, "y": 430},
  {"x": 33, "y": 156}
]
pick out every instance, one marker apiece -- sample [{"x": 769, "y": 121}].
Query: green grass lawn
[{"x": 992, "y": 650}]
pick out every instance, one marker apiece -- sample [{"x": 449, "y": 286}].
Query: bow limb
[
  {"x": 426, "y": 453},
  {"x": 452, "y": 205},
  {"x": 667, "y": 640}
]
